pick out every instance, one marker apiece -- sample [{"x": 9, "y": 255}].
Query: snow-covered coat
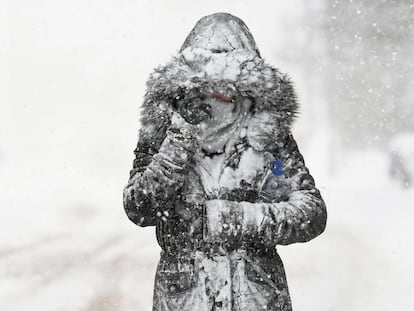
[{"x": 218, "y": 238}]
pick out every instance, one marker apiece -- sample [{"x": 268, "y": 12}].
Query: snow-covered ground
[{"x": 98, "y": 260}]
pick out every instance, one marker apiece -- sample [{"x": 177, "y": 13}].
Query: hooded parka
[{"x": 215, "y": 118}]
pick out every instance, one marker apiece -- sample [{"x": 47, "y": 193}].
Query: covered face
[
  {"x": 224, "y": 127},
  {"x": 218, "y": 45}
]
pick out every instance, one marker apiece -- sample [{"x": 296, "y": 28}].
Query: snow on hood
[
  {"x": 221, "y": 33},
  {"x": 220, "y": 56},
  {"x": 218, "y": 45}
]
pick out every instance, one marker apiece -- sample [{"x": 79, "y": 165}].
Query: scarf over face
[{"x": 218, "y": 46}]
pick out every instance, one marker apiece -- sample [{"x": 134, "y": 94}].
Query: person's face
[
  {"x": 221, "y": 113},
  {"x": 224, "y": 124}
]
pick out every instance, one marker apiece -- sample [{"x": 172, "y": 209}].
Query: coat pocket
[
  {"x": 267, "y": 275},
  {"x": 267, "y": 271},
  {"x": 176, "y": 283},
  {"x": 176, "y": 277},
  {"x": 260, "y": 273}
]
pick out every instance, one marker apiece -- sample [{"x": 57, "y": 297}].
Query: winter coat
[{"x": 218, "y": 236}]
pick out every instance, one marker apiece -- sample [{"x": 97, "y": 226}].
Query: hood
[
  {"x": 221, "y": 33},
  {"x": 220, "y": 56}
]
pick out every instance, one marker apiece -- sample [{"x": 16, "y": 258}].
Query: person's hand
[
  {"x": 192, "y": 106},
  {"x": 176, "y": 156},
  {"x": 183, "y": 130},
  {"x": 191, "y": 215},
  {"x": 222, "y": 226}
]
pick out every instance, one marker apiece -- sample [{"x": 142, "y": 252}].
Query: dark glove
[
  {"x": 191, "y": 218},
  {"x": 191, "y": 105},
  {"x": 176, "y": 156}
]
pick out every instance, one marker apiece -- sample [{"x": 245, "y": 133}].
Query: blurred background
[{"x": 72, "y": 79}]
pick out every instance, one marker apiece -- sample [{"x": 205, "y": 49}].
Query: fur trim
[
  {"x": 184, "y": 79},
  {"x": 270, "y": 89}
]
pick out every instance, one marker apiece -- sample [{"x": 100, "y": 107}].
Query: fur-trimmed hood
[{"x": 220, "y": 56}]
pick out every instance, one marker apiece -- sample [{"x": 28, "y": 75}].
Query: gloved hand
[
  {"x": 176, "y": 155},
  {"x": 191, "y": 105},
  {"x": 222, "y": 227},
  {"x": 191, "y": 217}
]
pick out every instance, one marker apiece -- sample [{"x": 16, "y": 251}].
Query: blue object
[
  {"x": 277, "y": 168},
  {"x": 276, "y": 187}
]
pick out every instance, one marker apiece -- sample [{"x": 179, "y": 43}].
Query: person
[{"x": 215, "y": 120}]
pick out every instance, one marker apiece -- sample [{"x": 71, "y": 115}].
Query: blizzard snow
[{"x": 72, "y": 76}]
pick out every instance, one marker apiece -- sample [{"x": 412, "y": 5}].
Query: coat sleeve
[
  {"x": 299, "y": 219},
  {"x": 142, "y": 196}
]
